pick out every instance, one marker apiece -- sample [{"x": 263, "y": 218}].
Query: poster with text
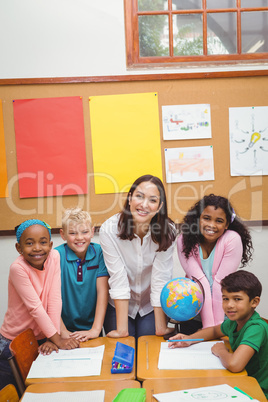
[
  {"x": 248, "y": 129},
  {"x": 183, "y": 122},
  {"x": 189, "y": 164}
]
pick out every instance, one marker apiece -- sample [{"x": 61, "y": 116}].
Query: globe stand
[{"x": 176, "y": 329}]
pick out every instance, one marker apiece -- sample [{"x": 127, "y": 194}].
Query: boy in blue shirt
[
  {"x": 247, "y": 331},
  {"x": 84, "y": 278}
]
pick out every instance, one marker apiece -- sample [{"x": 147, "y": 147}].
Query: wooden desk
[
  {"x": 245, "y": 383},
  {"x": 111, "y": 387},
  {"x": 148, "y": 354},
  {"x": 106, "y": 374}
]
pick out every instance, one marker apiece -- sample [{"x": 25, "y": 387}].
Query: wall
[
  {"x": 67, "y": 38},
  {"x": 258, "y": 265}
]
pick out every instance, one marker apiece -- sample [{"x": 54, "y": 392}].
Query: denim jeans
[
  {"x": 6, "y": 375},
  {"x": 139, "y": 326}
]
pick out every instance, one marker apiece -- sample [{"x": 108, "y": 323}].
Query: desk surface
[
  {"x": 148, "y": 354},
  {"x": 106, "y": 374},
  {"x": 245, "y": 383},
  {"x": 111, "y": 387}
]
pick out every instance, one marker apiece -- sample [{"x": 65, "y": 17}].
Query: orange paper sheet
[{"x": 3, "y": 165}]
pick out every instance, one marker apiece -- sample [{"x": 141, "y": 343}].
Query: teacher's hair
[{"x": 163, "y": 230}]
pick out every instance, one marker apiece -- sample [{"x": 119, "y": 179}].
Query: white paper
[
  {"x": 186, "y": 122},
  {"x": 189, "y": 164},
  {"x": 248, "y": 128},
  {"x": 208, "y": 394},
  {"x": 68, "y": 363},
  {"x": 81, "y": 396},
  {"x": 194, "y": 357}
]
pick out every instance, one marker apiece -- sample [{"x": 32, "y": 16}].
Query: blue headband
[{"x": 30, "y": 222}]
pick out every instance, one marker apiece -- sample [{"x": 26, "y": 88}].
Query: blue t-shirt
[
  {"x": 207, "y": 264},
  {"x": 78, "y": 285}
]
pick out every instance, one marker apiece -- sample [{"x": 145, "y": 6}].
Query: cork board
[{"x": 249, "y": 195}]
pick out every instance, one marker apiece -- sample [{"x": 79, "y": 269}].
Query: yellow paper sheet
[
  {"x": 3, "y": 165},
  {"x": 125, "y": 140}
]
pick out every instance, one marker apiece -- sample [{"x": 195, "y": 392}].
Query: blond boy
[{"x": 84, "y": 278}]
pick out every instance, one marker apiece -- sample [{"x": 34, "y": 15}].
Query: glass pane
[
  {"x": 153, "y": 35},
  {"x": 186, "y": 4},
  {"x": 188, "y": 35},
  {"x": 222, "y": 33},
  {"x": 254, "y": 32},
  {"x": 152, "y": 5},
  {"x": 256, "y": 3},
  {"x": 221, "y": 4}
]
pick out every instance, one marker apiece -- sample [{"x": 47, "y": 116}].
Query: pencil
[{"x": 185, "y": 340}]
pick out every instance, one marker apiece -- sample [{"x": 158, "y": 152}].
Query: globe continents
[{"x": 181, "y": 299}]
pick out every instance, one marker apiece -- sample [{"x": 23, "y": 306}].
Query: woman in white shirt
[{"x": 138, "y": 247}]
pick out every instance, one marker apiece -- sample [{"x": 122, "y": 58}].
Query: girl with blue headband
[{"x": 34, "y": 295}]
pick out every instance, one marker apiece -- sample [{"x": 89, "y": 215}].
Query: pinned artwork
[
  {"x": 184, "y": 122},
  {"x": 189, "y": 164},
  {"x": 248, "y": 141}
]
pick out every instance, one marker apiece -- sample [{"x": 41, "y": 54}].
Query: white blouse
[{"x": 137, "y": 272}]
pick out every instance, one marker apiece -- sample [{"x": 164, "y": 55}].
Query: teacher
[{"x": 137, "y": 246}]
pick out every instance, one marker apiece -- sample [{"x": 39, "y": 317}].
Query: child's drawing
[
  {"x": 212, "y": 393},
  {"x": 189, "y": 164},
  {"x": 248, "y": 140},
  {"x": 186, "y": 122}
]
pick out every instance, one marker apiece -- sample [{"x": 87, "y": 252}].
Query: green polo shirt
[{"x": 254, "y": 334}]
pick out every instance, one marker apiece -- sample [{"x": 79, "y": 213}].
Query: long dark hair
[
  {"x": 162, "y": 227},
  {"x": 191, "y": 232}
]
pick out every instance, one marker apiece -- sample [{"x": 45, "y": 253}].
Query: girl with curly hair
[{"x": 212, "y": 244}]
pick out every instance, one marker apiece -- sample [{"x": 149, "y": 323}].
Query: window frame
[{"x": 133, "y": 58}]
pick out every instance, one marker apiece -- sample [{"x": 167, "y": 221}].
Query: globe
[{"x": 181, "y": 299}]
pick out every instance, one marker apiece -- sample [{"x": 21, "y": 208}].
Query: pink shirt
[
  {"x": 34, "y": 298},
  {"x": 228, "y": 255}
]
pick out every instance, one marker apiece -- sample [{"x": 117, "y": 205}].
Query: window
[{"x": 196, "y": 31}]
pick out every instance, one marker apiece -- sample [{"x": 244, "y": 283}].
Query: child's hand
[
  {"x": 173, "y": 345},
  {"x": 65, "y": 334},
  {"x": 68, "y": 344},
  {"x": 218, "y": 348},
  {"x": 83, "y": 336},
  {"x": 47, "y": 347}
]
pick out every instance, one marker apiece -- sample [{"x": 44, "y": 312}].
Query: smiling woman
[
  {"x": 212, "y": 245},
  {"x": 138, "y": 247}
]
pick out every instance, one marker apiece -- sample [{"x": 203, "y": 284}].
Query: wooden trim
[
  {"x": 131, "y": 78},
  {"x": 263, "y": 223}
]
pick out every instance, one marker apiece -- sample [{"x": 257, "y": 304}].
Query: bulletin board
[{"x": 248, "y": 194}]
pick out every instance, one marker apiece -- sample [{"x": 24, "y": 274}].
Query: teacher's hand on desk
[{"x": 118, "y": 334}]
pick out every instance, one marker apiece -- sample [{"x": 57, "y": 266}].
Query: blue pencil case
[{"x": 123, "y": 359}]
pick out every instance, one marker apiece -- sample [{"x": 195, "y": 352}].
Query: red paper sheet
[{"x": 50, "y": 144}]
